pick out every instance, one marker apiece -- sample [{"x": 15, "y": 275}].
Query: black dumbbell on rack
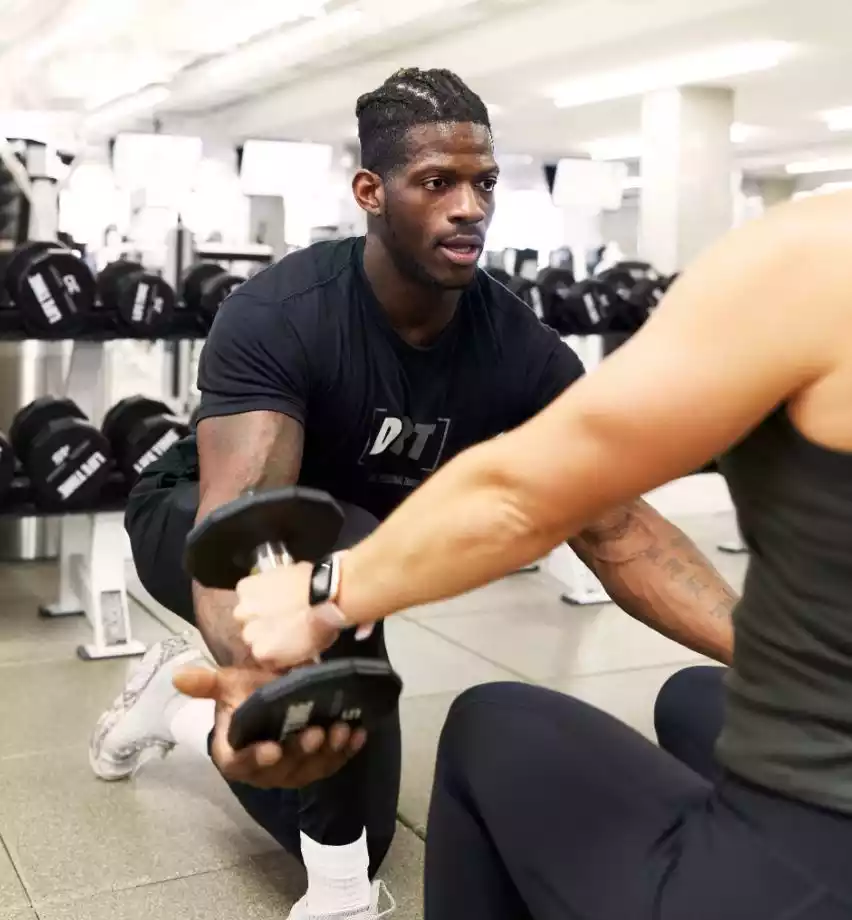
[
  {"x": 262, "y": 531},
  {"x": 205, "y": 286},
  {"x": 67, "y": 460},
  {"x": 140, "y": 430},
  {"x": 53, "y": 291},
  {"x": 7, "y": 467},
  {"x": 141, "y": 301}
]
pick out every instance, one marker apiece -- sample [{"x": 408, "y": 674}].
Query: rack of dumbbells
[{"x": 69, "y": 454}]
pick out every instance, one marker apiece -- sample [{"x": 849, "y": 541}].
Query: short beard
[{"x": 408, "y": 266}]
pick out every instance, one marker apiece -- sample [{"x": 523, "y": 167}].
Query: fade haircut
[{"x": 408, "y": 98}]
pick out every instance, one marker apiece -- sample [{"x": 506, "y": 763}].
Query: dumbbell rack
[{"x": 93, "y": 547}]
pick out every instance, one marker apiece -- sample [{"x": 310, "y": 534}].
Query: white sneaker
[
  {"x": 135, "y": 727},
  {"x": 381, "y": 905}
]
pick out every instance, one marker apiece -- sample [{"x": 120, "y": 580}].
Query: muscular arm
[
  {"x": 253, "y": 450},
  {"x": 655, "y": 573}
]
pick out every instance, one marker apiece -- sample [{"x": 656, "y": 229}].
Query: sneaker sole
[{"x": 115, "y": 771}]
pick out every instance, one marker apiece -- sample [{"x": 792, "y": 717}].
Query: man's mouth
[{"x": 461, "y": 251}]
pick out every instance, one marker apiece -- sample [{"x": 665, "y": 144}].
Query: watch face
[{"x": 321, "y": 582}]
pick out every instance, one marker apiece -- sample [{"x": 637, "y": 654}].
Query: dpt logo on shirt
[{"x": 400, "y": 448}]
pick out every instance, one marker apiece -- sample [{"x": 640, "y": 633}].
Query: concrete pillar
[{"x": 687, "y": 161}]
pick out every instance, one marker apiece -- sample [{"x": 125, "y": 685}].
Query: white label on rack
[
  {"x": 45, "y": 299},
  {"x": 139, "y": 303},
  {"x": 156, "y": 451},
  {"x": 81, "y": 475}
]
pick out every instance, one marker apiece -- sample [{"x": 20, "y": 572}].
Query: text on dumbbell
[
  {"x": 140, "y": 301},
  {"x": 81, "y": 475},
  {"x": 157, "y": 450},
  {"x": 45, "y": 299}
]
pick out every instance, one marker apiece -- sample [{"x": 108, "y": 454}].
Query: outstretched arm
[{"x": 655, "y": 573}]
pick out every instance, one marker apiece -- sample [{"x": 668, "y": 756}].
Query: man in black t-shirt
[{"x": 357, "y": 367}]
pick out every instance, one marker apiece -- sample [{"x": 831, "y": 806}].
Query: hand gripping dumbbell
[
  {"x": 205, "y": 286},
  {"x": 53, "y": 290},
  {"x": 7, "y": 467},
  {"x": 66, "y": 458},
  {"x": 140, "y": 430},
  {"x": 141, "y": 301},
  {"x": 261, "y": 531}
]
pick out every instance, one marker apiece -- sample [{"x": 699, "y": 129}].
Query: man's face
[{"x": 439, "y": 204}]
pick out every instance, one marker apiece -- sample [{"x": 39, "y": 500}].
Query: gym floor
[{"x": 173, "y": 842}]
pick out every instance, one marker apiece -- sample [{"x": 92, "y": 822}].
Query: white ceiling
[{"x": 251, "y": 68}]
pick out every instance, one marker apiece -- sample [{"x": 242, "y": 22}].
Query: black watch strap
[{"x": 325, "y": 579}]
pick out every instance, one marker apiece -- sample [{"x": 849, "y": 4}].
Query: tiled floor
[{"x": 173, "y": 843}]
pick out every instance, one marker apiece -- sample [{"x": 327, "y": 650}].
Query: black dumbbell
[
  {"x": 205, "y": 286},
  {"x": 141, "y": 301},
  {"x": 140, "y": 430},
  {"x": 54, "y": 291},
  {"x": 66, "y": 458},
  {"x": 262, "y": 531},
  {"x": 554, "y": 284},
  {"x": 7, "y": 466},
  {"x": 587, "y": 308},
  {"x": 528, "y": 291}
]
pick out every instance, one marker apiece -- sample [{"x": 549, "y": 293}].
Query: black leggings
[
  {"x": 545, "y": 808},
  {"x": 336, "y": 810}
]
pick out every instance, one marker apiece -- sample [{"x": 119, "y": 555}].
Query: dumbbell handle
[{"x": 271, "y": 556}]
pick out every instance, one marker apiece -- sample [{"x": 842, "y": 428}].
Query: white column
[{"x": 687, "y": 161}]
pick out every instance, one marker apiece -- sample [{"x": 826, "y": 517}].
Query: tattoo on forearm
[{"x": 636, "y": 532}]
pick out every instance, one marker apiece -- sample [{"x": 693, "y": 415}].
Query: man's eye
[
  {"x": 488, "y": 185},
  {"x": 435, "y": 185}
]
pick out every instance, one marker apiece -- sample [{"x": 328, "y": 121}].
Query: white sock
[
  {"x": 190, "y": 722},
  {"x": 338, "y": 878}
]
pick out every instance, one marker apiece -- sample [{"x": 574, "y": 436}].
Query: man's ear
[{"x": 369, "y": 192}]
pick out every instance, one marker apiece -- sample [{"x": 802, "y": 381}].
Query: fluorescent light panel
[{"x": 717, "y": 63}]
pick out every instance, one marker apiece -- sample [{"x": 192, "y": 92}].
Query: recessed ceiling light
[{"x": 694, "y": 68}]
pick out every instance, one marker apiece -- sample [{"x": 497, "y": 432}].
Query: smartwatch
[{"x": 325, "y": 581}]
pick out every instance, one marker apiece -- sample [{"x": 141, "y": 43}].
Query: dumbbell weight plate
[
  {"x": 215, "y": 290},
  {"x": 359, "y": 691},
  {"x": 586, "y": 308},
  {"x": 125, "y": 415},
  {"x": 7, "y": 467},
  {"x": 527, "y": 291},
  {"x": 35, "y": 416},
  {"x": 144, "y": 302},
  {"x": 53, "y": 289},
  {"x": 148, "y": 441},
  {"x": 68, "y": 463},
  {"x": 555, "y": 285},
  {"x": 193, "y": 281},
  {"x": 220, "y": 549}
]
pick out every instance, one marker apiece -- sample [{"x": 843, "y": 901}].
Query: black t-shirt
[{"x": 307, "y": 337}]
